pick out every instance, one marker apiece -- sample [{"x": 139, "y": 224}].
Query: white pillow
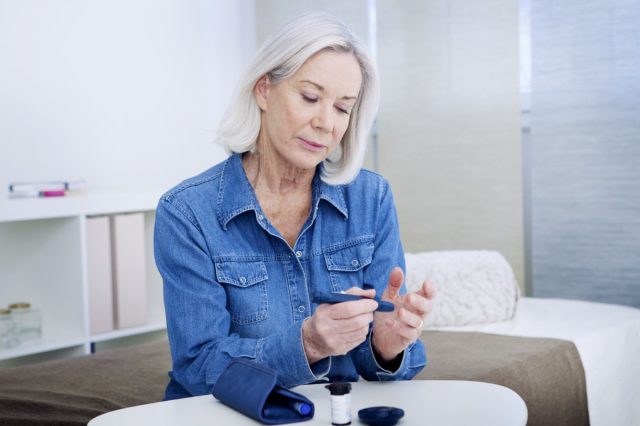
[{"x": 473, "y": 287}]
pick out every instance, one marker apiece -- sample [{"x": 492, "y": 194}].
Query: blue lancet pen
[{"x": 331, "y": 298}]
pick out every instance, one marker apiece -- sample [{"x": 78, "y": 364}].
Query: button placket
[{"x": 300, "y": 285}]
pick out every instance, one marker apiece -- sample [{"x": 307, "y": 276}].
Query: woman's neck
[{"x": 269, "y": 172}]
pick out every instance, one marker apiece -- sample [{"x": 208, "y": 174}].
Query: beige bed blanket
[{"x": 546, "y": 373}]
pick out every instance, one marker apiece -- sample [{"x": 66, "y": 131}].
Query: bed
[
  {"x": 607, "y": 338},
  {"x": 479, "y": 294}
]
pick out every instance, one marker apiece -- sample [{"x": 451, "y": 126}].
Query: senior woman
[{"x": 243, "y": 246}]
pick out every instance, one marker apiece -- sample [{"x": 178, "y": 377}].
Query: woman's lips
[{"x": 315, "y": 147}]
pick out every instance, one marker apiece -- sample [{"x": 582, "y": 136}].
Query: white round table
[{"x": 425, "y": 402}]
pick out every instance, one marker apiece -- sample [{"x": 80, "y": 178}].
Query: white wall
[
  {"x": 273, "y": 14},
  {"x": 119, "y": 93},
  {"x": 449, "y": 124}
]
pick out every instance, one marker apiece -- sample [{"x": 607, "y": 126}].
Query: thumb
[{"x": 396, "y": 278}]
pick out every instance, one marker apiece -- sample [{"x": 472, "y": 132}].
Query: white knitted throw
[{"x": 473, "y": 287}]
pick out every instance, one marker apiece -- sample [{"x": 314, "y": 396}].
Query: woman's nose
[{"x": 323, "y": 119}]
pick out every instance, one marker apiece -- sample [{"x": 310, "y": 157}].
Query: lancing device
[{"x": 331, "y": 298}]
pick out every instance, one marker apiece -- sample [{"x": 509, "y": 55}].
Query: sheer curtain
[{"x": 584, "y": 150}]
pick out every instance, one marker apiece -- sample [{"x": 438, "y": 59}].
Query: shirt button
[
  {"x": 243, "y": 280},
  {"x": 354, "y": 262},
  {"x": 299, "y": 253},
  {"x": 300, "y": 308},
  {"x": 260, "y": 217}
]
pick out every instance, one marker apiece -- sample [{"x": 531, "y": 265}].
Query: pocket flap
[
  {"x": 350, "y": 258},
  {"x": 241, "y": 274}
]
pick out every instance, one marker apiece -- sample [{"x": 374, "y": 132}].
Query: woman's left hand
[{"x": 394, "y": 331}]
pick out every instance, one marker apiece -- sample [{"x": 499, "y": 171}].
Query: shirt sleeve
[
  {"x": 388, "y": 253},
  {"x": 198, "y": 322}
]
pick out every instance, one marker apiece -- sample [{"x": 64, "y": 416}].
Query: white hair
[{"x": 279, "y": 57}]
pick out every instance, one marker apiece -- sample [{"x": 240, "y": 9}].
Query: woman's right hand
[{"x": 336, "y": 329}]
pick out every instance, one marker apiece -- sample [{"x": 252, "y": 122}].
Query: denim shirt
[{"x": 233, "y": 287}]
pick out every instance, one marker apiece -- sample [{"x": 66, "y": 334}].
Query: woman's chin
[{"x": 307, "y": 160}]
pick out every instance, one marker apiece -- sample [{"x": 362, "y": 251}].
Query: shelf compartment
[{"x": 41, "y": 263}]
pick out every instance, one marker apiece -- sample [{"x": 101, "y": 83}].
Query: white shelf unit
[{"x": 43, "y": 260}]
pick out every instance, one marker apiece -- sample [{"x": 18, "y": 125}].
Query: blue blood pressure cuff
[{"x": 251, "y": 389}]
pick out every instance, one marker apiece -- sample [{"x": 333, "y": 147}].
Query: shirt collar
[
  {"x": 333, "y": 194},
  {"x": 236, "y": 196}
]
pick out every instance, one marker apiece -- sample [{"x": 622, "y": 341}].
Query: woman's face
[{"x": 305, "y": 116}]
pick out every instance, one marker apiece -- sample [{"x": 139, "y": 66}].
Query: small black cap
[
  {"x": 339, "y": 388},
  {"x": 380, "y": 416}
]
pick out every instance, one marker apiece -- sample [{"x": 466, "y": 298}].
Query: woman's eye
[
  {"x": 343, "y": 110},
  {"x": 309, "y": 99}
]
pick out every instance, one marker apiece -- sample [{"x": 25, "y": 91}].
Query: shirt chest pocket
[
  {"x": 346, "y": 265},
  {"x": 246, "y": 287}
]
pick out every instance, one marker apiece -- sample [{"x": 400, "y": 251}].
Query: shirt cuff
[
  {"x": 285, "y": 353},
  {"x": 380, "y": 369},
  {"x": 381, "y": 372}
]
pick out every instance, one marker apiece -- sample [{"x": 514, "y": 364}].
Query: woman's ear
[{"x": 261, "y": 92}]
